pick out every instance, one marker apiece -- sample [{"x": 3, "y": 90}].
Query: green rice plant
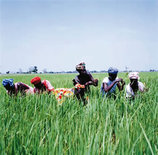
[{"x": 36, "y": 124}]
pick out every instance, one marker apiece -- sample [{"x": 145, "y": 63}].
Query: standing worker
[{"x": 84, "y": 78}]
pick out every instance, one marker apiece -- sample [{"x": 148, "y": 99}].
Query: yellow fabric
[{"x": 61, "y": 93}]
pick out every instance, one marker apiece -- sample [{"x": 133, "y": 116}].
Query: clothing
[
  {"x": 129, "y": 90},
  {"x": 81, "y": 66},
  {"x": 133, "y": 75},
  {"x": 36, "y": 80},
  {"x": 22, "y": 88},
  {"x": 9, "y": 82},
  {"x": 46, "y": 86},
  {"x": 83, "y": 79},
  {"x": 112, "y": 70},
  {"x": 108, "y": 82},
  {"x": 61, "y": 93}
]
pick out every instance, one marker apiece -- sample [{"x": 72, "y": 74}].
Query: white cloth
[
  {"x": 129, "y": 90},
  {"x": 133, "y": 75}
]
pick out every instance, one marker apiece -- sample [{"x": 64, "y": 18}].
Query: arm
[
  {"x": 75, "y": 81},
  {"x": 48, "y": 85},
  {"x": 108, "y": 88},
  {"x": 92, "y": 81}
]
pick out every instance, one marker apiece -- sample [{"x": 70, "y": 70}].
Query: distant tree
[
  {"x": 152, "y": 70},
  {"x": 7, "y": 72},
  {"x": 45, "y": 70},
  {"x": 33, "y": 69},
  {"x": 51, "y": 72}
]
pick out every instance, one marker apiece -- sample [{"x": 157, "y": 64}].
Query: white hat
[{"x": 133, "y": 75}]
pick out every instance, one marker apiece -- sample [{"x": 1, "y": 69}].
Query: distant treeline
[{"x": 70, "y": 72}]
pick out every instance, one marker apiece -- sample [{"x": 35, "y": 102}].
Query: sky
[{"x": 58, "y": 34}]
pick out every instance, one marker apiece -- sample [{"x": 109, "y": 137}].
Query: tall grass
[{"x": 37, "y": 125}]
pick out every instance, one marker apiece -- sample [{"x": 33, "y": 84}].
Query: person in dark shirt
[
  {"x": 84, "y": 78},
  {"x": 18, "y": 87}
]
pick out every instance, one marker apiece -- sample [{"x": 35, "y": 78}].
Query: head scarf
[
  {"x": 81, "y": 66},
  {"x": 9, "y": 82},
  {"x": 36, "y": 80},
  {"x": 112, "y": 70},
  {"x": 133, "y": 75}
]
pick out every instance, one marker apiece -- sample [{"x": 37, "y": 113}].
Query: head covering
[
  {"x": 112, "y": 70},
  {"x": 133, "y": 75},
  {"x": 36, "y": 80},
  {"x": 81, "y": 66},
  {"x": 9, "y": 82}
]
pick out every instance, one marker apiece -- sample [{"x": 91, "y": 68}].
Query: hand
[
  {"x": 88, "y": 83},
  {"x": 118, "y": 80},
  {"x": 123, "y": 82},
  {"x": 95, "y": 82}
]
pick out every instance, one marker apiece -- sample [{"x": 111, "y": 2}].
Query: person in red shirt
[{"x": 41, "y": 86}]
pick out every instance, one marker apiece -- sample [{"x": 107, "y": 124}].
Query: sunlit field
[{"x": 38, "y": 125}]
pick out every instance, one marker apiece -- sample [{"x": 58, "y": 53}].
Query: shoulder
[
  {"x": 19, "y": 83},
  {"x": 140, "y": 83},
  {"x": 88, "y": 72},
  {"x": 106, "y": 80},
  {"x": 141, "y": 86}
]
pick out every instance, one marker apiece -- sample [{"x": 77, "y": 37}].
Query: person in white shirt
[
  {"x": 109, "y": 84},
  {"x": 134, "y": 86}
]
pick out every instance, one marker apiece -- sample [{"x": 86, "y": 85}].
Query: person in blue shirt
[{"x": 109, "y": 84}]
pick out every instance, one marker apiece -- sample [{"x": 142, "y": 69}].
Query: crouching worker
[
  {"x": 134, "y": 86},
  {"x": 109, "y": 84},
  {"x": 84, "y": 78},
  {"x": 41, "y": 86},
  {"x": 18, "y": 87}
]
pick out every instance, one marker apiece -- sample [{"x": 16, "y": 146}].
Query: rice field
[{"x": 38, "y": 125}]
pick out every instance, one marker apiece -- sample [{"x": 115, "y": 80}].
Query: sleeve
[
  {"x": 77, "y": 79},
  {"x": 48, "y": 85},
  {"x": 90, "y": 76},
  {"x": 105, "y": 80},
  {"x": 141, "y": 86}
]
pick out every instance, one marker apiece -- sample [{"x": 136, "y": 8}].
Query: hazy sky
[{"x": 58, "y": 34}]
